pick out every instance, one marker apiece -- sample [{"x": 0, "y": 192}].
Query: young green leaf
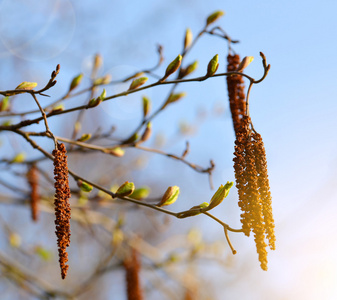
[
  {"x": 214, "y": 16},
  {"x": 85, "y": 187},
  {"x": 102, "y": 80},
  {"x": 147, "y": 133},
  {"x": 188, "y": 38},
  {"x": 98, "y": 61},
  {"x": 117, "y": 151},
  {"x": 140, "y": 193},
  {"x": 4, "y": 104},
  {"x": 175, "y": 97},
  {"x": 95, "y": 102},
  {"x": 191, "y": 68},
  {"x": 84, "y": 137},
  {"x": 146, "y": 106},
  {"x": 19, "y": 158},
  {"x": 220, "y": 195},
  {"x": 26, "y": 85},
  {"x": 126, "y": 189},
  {"x": 195, "y": 210},
  {"x": 76, "y": 82},
  {"x": 213, "y": 65},
  {"x": 136, "y": 83},
  {"x": 170, "y": 196},
  {"x": 132, "y": 139},
  {"x": 173, "y": 66},
  {"x": 59, "y": 107},
  {"x": 103, "y": 95},
  {"x": 245, "y": 63}
]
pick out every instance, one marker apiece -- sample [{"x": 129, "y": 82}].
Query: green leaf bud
[
  {"x": 195, "y": 210},
  {"x": 95, "y": 102},
  {"x": 117, "y": 151},
  {"x": 26, "y": 85},
  {"x": 136, "y": 83},
  {"x": 4, "y": 104},
  {"x": 220, "y": 195},
  {"x": 84, "y": 137},
  {"x": 173, "y": 66},
  {"x": 214, "y": 16},
  {"x": 103, "y": 95},
  {"x": 175, "y": 97},
  {"x": 19, "y": 158},
  {"x": 6, "y": 123},
  {"x": 132, "y": 139},
  {"x": 146, "y": 106},
  {"x": 85, "y": 187},
  {"x": 98, "y": 61},
  {"x": 76, "y": 82},
  {"x": 188, "y": 38},
  {"x": 170, "y": 196},
  {"x": 191, "y": 68},
  {"x": 213, "y": 65},
  {"x": 147, "y": 133},
  {"x": 126, "y": 189},
  {"x": 140, "y": 193},
  {"x": 245, "y": 63},
  {"x": 106, "y": 79},
  {"x": 59, "y": 107}
]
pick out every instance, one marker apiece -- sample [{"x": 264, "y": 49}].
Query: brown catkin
[
  {"x": 33, "y": 179},
  {"x": 62, "y": 206},
  {"x": 236, "y": 94},
  {"x": 132, "y": 269},
  {"x": 240, "y": 174}
]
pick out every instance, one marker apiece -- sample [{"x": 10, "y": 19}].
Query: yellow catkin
[
  {"x": 256, "y": 206},
  {"x": 250, "y": 166},
  {"x": 264, "y": 189}
]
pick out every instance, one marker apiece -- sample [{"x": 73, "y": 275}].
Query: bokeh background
[{"x": 293, "y": 109}]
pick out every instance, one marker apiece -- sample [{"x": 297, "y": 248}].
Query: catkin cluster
[
  {"x": 252, "y": 182},
  {"x": 236, "y": 94},
  {"x": 132, "y": 269},
  {"x": 62, "y": 206},
  {"x": 33, "y": 179},
  {"x": 250, "y": 166}
]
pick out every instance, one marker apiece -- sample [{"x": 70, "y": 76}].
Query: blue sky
[{"x": 293, "y": 109}]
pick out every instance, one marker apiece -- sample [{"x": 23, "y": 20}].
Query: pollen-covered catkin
[
  {"x": 264, "y": 189},
  {"x": 252, "y": 182},
  {"x": 62, "y": 206},
  {"x": 253, "y": 197},
  {"x": 242, "y": 138}
]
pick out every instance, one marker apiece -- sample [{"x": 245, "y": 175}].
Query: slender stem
[
  {"x": 222, "y": 223},
  {"x": 229, "y": 241},
  {"x": 45, "y": 119}
]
